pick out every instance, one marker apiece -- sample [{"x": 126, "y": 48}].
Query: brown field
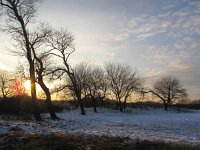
[{"x": 23, "y": 141}]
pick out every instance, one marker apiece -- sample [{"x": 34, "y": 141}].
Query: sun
[{"x": 27, "y": 86}]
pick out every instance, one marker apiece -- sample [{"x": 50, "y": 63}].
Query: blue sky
[{"x": 157, "y": 37}]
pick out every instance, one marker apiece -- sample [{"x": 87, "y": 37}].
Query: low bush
[{"x": 19, "y": 105}]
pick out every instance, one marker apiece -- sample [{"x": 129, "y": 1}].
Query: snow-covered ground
[{"x": 134, "y": 124}]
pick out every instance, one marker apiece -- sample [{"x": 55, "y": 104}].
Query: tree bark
[
  {"x": 48, "y": 99},
  {"x": 124, "y": 106},
  {"x": 166, "y": 106},
  {"x": 178, "y": 107},
  {"x": 94, "y": 104},
  {"x": 78, "y": 95},
  {"x": 102, "y": 102},
  {"x": 36, "y": 111},
  {"x": 121, "y": 109},
  {"x": 124, "y": 103},
  {"x": 117, "y": 104},
  {"x": 120, "y": 106},
  {"x": 82, "y": 107},
  {"x": 40, "y": 71},
  {"x": 75, "y": 86}
]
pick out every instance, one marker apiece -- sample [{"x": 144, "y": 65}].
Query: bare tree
[
  {"x": 82, "y": 74},
  {"x": 61, "y": 45},
  {"x": 123, "y": 82},
  {"x": 5, "y": 84},
  {"x": 19, "y": 14},
  {"x": 97, "y": 85},
  {"x": 42, "y": 62},
  {"x": 40, "y": 70},
  {"x": 169, "y": 89},
  {"x": 92, "y": 82},
  {"x": 41, "y": 56}
]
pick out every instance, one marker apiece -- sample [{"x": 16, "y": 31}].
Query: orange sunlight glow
[
  {"x": 19, "y": 88},
  {"x": 27, "y": 86}
]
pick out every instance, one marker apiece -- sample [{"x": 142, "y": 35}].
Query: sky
[{"x": 157, "y": 37}]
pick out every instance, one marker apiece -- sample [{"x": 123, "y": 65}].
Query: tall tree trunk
[
  {"x": 102, "y": 102},
  {"x": 166, "y": 106},
  {"x": 121, "y": 109},
  {"x": 117, "y": 104},
  {"x": 82, "y": 107},
  {"x": 78, "y": 95},
  {"x": 48, "y": 99},
  {"x": 178, "y": 107},
  {"x": 14, "y": 12},
  {"x": 50, "y": 106},
  {"x": 124, "y": 106},
  {"x": 120, "y": 106},
  {"x": 40, "y": 71},
  {"x": 36, "y": 111},
  {"x": 94, "y": 104}
]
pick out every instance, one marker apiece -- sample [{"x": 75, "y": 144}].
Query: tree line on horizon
[
  {"x": 47, "y": 51},
  {"x": 116, "y": 81}
]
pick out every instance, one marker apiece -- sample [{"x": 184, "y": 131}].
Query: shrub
[{"x": 22, "y": 105}]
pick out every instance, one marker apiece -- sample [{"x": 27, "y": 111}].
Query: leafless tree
[
  {"x": 19, "y": 14},
  {"x": 82, "y": 74},
  {"x": 5, "y": 84},
  {"x": 42, "y": 62},
  {"x": 96, "y": 85},
  {"x": 40, "y": 75},
  {"x": 61, "y": 45},
  {"x": 123, "y": 82},
  {"x": 169, "y": 89},
  {"x": 92, "y": 82}
]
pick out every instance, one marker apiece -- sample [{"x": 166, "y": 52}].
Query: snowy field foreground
[{"x": 134, "y": 124}]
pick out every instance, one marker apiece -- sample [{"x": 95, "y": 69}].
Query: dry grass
[{"x": 23, "y": 141}]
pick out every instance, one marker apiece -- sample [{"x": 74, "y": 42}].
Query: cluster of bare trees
[
  {"x": 117, "y": 81},
  {"x": 43, "y": 45},
  {"x": 92, "y": 82},
  {"x": 123, "y": 83},
  {"x": 38, "y": 46}
]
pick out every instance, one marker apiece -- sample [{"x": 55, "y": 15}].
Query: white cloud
[
  {"x": 154, "y": 73},
  {"x": 119, "y": 37},
  {"x": 169, "y": 58},
  {"x": 141, "y": 28},
  {"x": 179, "y": 22},
  {"x": 179, "y": 45},
  {"x": 179, "y": 64},
  {"x": 135, "y": 21}
]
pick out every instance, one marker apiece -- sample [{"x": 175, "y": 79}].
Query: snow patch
[{"x": 135, "y": 124}]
